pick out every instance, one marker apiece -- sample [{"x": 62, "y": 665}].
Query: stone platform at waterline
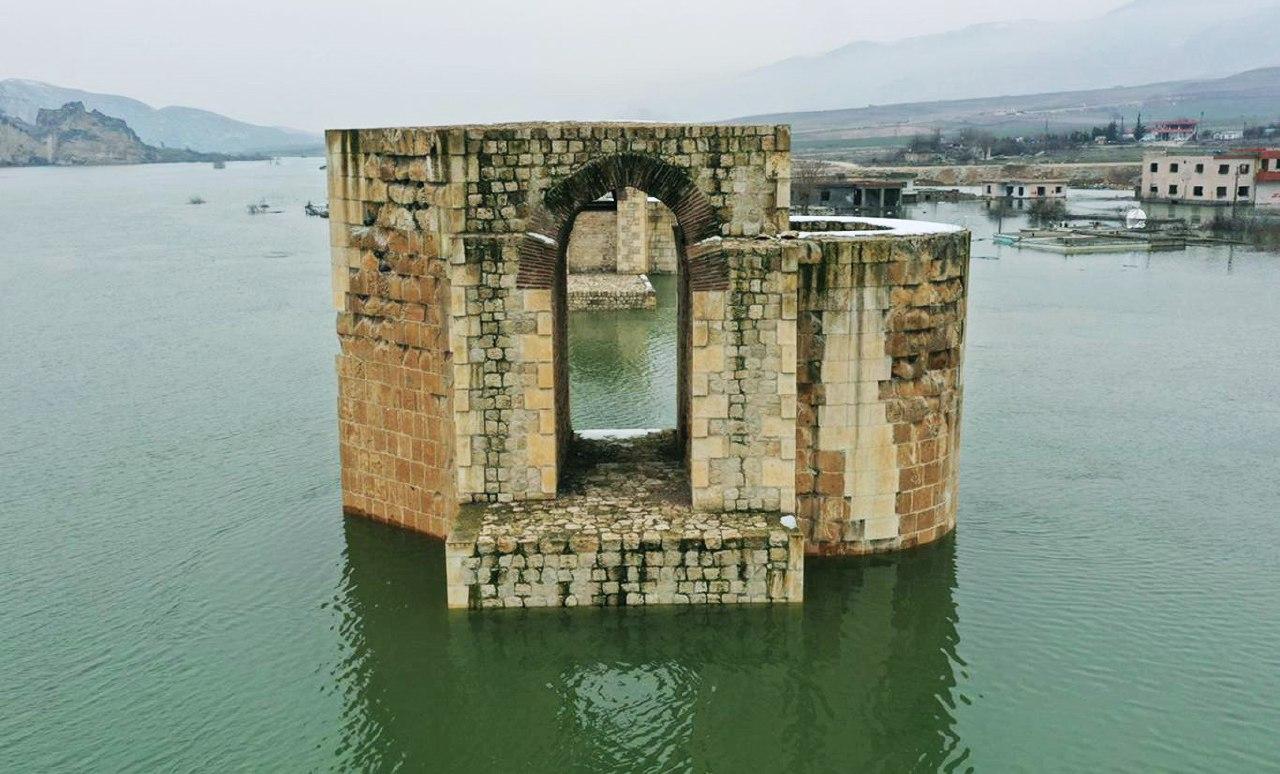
[
  {"x": 610, "y": 291},
  {"x": 622, "y": 532},
  {"x": 819, "y": 366}
]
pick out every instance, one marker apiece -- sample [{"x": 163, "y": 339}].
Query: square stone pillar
[
  {"x": 633, "y": 228},
  {"x": 743, "y": 384}
]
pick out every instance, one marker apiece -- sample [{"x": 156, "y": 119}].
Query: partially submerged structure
[
  {"x": 1022, "y": 189},
  {"x": 841, "y": 195},
  {"x": 819, "y": 365},
  {"x": 1200, "y": 178}
]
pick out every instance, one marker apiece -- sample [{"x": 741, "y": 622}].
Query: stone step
[{"x": 500, "y": 560}]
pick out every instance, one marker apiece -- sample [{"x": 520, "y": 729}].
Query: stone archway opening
[
  {"x": 621, "y": 345},
  {"x": 623, "y": 313}
]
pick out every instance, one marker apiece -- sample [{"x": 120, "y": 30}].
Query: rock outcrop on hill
[
  {"x": 166, "y": 127},
  {"x": 71, "y": 136}
]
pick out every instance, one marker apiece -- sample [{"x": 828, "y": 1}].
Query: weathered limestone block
[
  {"x": 881, "y": 331},
  {"x": 696, "y": 574}
]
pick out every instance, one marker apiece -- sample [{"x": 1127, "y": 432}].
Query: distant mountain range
[
  {"x": 1252, "y": 97},
  {"x": 1145, "y": 41},
  {"x": 72, "y": 135},
  {"x": 169, "y": 127}
]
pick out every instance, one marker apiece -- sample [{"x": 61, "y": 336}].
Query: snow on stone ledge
[
  {"x": 870, "y": 227},
  {"x": 617, "y": 434}
]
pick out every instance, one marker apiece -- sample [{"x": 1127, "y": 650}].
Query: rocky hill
[
  {"x": 168, "y": 127},
  {"x": 72, "y": 135}
]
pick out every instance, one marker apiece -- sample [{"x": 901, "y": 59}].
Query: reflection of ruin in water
[{"x": 861, "y": 676}]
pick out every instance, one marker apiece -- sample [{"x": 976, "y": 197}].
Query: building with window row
[
  {"x": 1231, "y": 177},
  {"x": 1266, "y": 184},
  {"x": 1025, "y": 189}
]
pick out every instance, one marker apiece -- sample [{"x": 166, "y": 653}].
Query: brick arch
[{"x": 551, "y": 223}]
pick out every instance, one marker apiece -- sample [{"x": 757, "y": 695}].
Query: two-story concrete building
[
  {"x": 1175, "y": 132},
  {"x": 1218, "y": 178}
]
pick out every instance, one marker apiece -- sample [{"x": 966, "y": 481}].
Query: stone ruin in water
[{"x": 819, "y": 366}]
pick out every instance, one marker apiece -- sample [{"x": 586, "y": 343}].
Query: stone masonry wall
[
  {"x": 735, "y": 561},
  {"x": 633, "y": 225},
  {"x": 476, "y": 199},
  {"x": 611, "y": 292},
  {"x": 662, "y": 243},
  {"x": 742, "y": 383},
  {"x": 395, "y": 393},
  {"x": 881, "y": 328},
  {"x": 823, "y": 372},
  {"x": 522, "y": 184},
  {"x": 648, "y": 243},
  {"x": 593, "y": 246}
]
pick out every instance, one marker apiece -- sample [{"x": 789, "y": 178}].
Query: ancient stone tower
[{"x": 819, "y": 368}]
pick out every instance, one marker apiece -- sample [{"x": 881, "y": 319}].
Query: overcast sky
[{"x": 323, "y": 63}]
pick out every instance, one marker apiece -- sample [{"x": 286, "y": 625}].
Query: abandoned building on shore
[{"x": 819, "y": 383}]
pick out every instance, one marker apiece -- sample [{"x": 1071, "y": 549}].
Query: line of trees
[{"x": 979, "y": 144}]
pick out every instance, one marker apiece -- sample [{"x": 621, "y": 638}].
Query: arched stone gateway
[
  {"x": 819, "y": 379},
  {"x": 552, "y": 222}
]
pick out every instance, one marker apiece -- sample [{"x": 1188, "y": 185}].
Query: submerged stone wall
[
  {"x": 732, "y": 560},
  {"x": 611, "y": 292},
  {"x": 820, "y": 358},
  {"x": 396, "y": 415},
  {"x": 882, "y": 319}
]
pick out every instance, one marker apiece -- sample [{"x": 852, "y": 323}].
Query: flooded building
[
  {"x": 1208, "y": 178},
  {"x": 846, "y": 196},
  {"x": 1025, "y": 189}
]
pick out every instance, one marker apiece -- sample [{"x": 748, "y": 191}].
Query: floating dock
[{"x": 1081, "y": 241}]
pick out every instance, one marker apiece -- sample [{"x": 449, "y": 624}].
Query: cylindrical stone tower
[{"x": 880, "y": 338}]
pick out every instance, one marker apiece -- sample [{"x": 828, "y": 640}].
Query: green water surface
[{"x": 181, "y": 592}]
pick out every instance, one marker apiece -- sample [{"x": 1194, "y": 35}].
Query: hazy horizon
[{"x": 317, "y": 65}]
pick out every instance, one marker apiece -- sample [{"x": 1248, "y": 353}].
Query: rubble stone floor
[
  {"x": 622, "y": 532},
  {"x": 611, "y": 291}
]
